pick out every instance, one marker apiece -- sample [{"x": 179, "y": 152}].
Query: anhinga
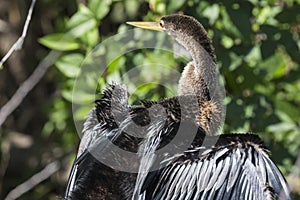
[{"x": 228, "y": 166}]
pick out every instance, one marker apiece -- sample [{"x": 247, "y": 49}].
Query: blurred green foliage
[{"x": 257, "y": 45}]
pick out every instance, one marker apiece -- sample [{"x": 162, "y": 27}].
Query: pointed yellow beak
[{"x": 147, "y": 25}]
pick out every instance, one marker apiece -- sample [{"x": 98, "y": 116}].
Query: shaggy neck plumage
[
  {"x": 200, "y": 78},
  {"x": 200, "y": 74}
]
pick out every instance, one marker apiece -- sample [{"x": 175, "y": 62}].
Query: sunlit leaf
[
  {"x": 275, "y": 66},
  {"x": 174, "y": 5},
  {"x": 281, "y": 127},
  {"x": 91, "y": 38},
  {"x": 69, "y": 64},
  {"x": 99, "y": 8},
  {"x": 132, "y": 7},
  {"x": 212, "y": 13},
  {"x": 82, "y": 112},
  {"x": 81, "y": 22},
  {"x": 228, "y": 25},
  {"x": 59, "y": 41}
]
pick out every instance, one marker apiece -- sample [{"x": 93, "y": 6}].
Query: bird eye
[{"x": 162, "y": 24}]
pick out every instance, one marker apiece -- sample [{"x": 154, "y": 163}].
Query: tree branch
[
  {"x": 33, "y": 79},
  {"x": 33, "y": 181},
  {"x": 18, "y": 44},
  {"x": 27, "y": 85}
]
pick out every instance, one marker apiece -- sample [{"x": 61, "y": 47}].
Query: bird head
[
  {"x": 185, "y": 29},
  {"x": 171, "y": 24}
]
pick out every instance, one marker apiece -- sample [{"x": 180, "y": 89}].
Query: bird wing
[
  {"x": 74, "y": 174},
  {"x": 237, "y": 169},
  {"x": 102, "y": 115},
  {"x": 100, "y": 134},
  {"x": 88, "y": 179}
]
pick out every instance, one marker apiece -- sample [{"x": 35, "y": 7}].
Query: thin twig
[
  {"x": 33, "y": 79},
  {"x": 27, "y": 86},
  {"x": 33, "y": 181},
  {"x": 18, "y": 44}
]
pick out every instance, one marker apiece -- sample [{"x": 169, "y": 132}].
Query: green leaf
[
  {"x": 268, "y": 48},
  {"x": 82, "y": 97},
  {"x": 281, "y": 127},
  {"x": 67, "y": 94},
  {"x": 99, "y": 8},
  {"x": 91, "y": 38},
  {"x": 175, "y": 5},
  {"x": 228, "y": 26},
  {"x": 212, "y": 13},
  {"x": 290, "y": 15},
  {"x": 81, "y": 112},
  {"x": 286, "y": 111},
  {"x": 240, "y": 17},
  {"x": 116, "y": 64},
  {"x": 275, "y": 66},
  {"x": 81, "y": 22},
  {"x": 69, "y": 64},
  {"x": 227, "y": 42},
  {"x": 59, "y": 41},
  {"x": 131, "y": 7}
]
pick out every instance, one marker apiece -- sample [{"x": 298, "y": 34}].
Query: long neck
[{"x": 200, "y": 78}]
